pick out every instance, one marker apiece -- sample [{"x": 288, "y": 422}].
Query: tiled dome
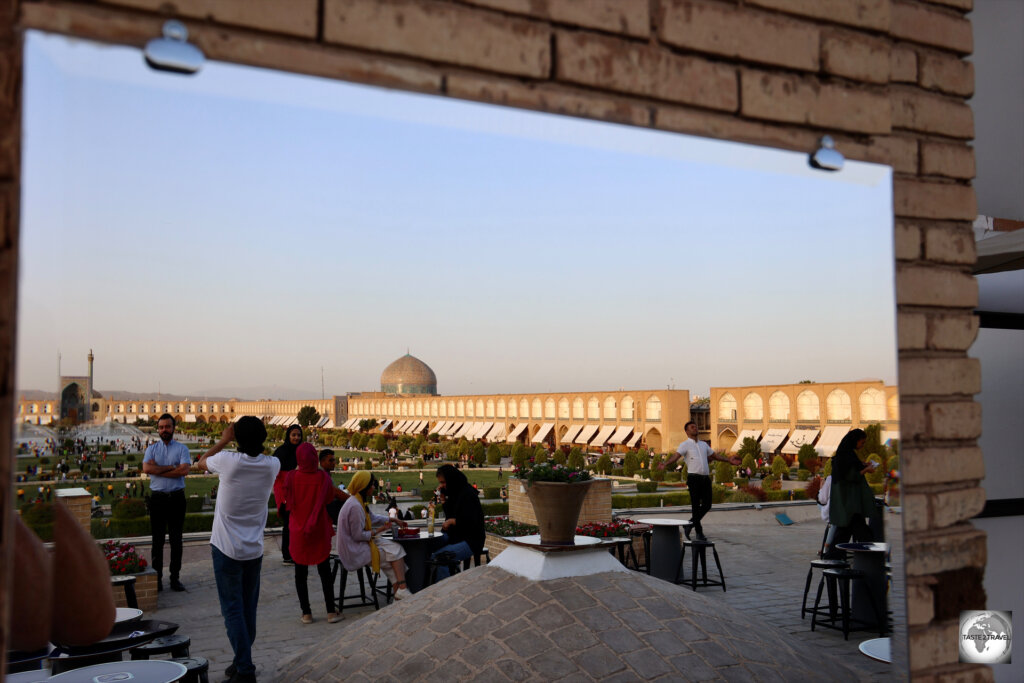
[{"x": 408, "y": 375}]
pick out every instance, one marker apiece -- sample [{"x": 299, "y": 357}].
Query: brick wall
[
  {"x": 887, "y": 78},
  {"x": 145, "y": 592},
  {"x": 597, "y": 506}
]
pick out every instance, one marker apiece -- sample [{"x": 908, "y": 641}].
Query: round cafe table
[
  {"x": 666, "y": 546},
  {"x": 417, "y": 550},
  {"x": 126, "y": 615},
  {"x": 877, "y": 649},
  {"x": 137, "y": 671}
]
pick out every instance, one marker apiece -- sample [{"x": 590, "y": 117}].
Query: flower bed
[
  {"x": 617, "y": 529},
  {"x": 123, "y": 558},
  {"x": 503, "y": 526}
]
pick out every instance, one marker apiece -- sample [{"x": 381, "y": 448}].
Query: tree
[
  {"x": 630, "y": 464},
  {"x": 873, "y": 443},
  {"x": 750, "y": 447},
  {"x": 604, "y": 463},
  {"x": 367, "y": 424},
  {"x": 520, "y": 455},
  {"x": 493, "y": 454},
  {"x": 379, "y": 442},
  {"x": 724, "y": 472},
  {"x": 779, "y": 466},
  {"x": 576, "y": 460},
  {"x": 559, "y": 457},
  {"x": 308, "y": 415},
  {"x": 808, "y": 458},
  {"x": 477, "y": 453}
]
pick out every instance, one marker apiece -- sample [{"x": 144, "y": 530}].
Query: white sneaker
[{"x": 402, "y": 593}]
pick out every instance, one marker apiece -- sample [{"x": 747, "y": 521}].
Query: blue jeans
[
  {"x": 462, "y": 552},
  {"x": 238, "y": 587}
]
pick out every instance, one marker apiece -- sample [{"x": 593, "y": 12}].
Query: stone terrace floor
[{"x": 765, "y": 566}]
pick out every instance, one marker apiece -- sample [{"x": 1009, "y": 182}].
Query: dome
[{"x": 408, "y": 375}]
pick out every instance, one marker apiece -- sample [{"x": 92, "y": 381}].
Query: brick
[
  {"x": 902, "y": 65},
  {"x": 920, "y": 604},
  {"x": 920, "y": 199},
  {"x": 955, "y": 420},
  {"x": 913, "y": 423},
  {"x": 631, "y": 17},
  {"x": 855, "y": 55},
  {"x": 920, "y": 23},
  {"x": 944, "y": 550},
  {"x": 613, "y": 64},
  {"x": 294, "y": 17},
  {"x": 915, "y": 109},
  {"x": 898, "y": 151},
  {"x": 912, "y": 330},
  {"x": 950, "y": 245},
  {"x": 946, "y": 73},
  {"x": 543, "y": 97},
  {"x": 952, "y": 160},
  {"x": 730, "y": 31},
  {"x": 915, "y": 511},
  {"x": 925, "y": 466},
  {"x": 729, "y": 127},
  {"x": 908, "y": 241},
  {"x": 952, "y": 332},
  {"x": 442, "y": 32},
  {"x": 935, "y": 644},
  {"x": 789, "y": 98},
  {"x": 940, "y": 376},
  {"x": 952, "y": 507},
  {"x": 864, "y": 13}
]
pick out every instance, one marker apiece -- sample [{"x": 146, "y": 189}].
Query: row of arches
[
  {"x": 838, "y": 406},
  {"x": 563, "y": 408}
]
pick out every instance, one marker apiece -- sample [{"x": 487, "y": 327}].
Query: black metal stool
[
  {"x": 128, "y": 582},
  {"x": 819, "y": 564},
  {"x": 198, "y": 669},
  {"x": 445, "y": 559},
  {"x": 841, "y": 579},
  {"x": 643, "y": 531},
  {"x": 699, "y": 553},
  {"x": 366, "y": 576},
  {"x": 175, "y": 645}
]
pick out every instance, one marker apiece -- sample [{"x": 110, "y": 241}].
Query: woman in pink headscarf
[{"x": 308, "y": 489}]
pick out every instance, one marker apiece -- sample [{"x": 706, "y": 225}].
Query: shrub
[
  {"x": 826, "y": 468},
  {"x": 492, "y": 492},
  {"x": 503, "y": 526},
  {"x": 39, "y": 518},
  {"x": 657, "y": 474},
  {"x": 724, "y": 472},
  {"x": 493, "y": 509},
  {"x": 771, "y": 483},
  {"x": 757, "y": 492},
  {"x": 519, "y": 455},
  {"x": 132, "y": 526},
  {"x": 673, "y": 476},
  {"x": 878, "y": 474},
  {"x": 742, "y": 497},
  {"x": 718, "y": 493},
  {"x": 419, "y": 463},
  {"x": 44, "y": 460},
  {"x": 604, "y": 464},
  {"x": 617, "y": 472},
  {"x": 193, "y": 504},
  {"x": 740, "y": 481},
  {"x": 559, "y": 458},
  {"x": 803, "y": 475},
  {"x": 893, "y": 463},
  {"x": 630, "y": 464},
  {"x": 646, "y": 486},
  {"x": 128, "y": 508},
  {"x": 576, "y": 459},
  {"x": 129, "y": 458},
  {"x": 493, "y": 454},
  {"x": 779, "y": 466},
  {"x": 417, "y": 510},
  {"x": 647, "y": 500},
  {"x": 749, "y": 447}
]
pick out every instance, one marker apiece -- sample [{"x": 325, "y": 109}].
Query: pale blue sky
[{"x": 244, "y": 227}]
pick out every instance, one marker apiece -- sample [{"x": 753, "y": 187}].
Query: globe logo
[{"x": 986, "y": 637}]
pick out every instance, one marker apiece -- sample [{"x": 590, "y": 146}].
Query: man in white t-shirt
[
  {"x": 698, "y": 475},
  {"x": 246, "y": 480}
]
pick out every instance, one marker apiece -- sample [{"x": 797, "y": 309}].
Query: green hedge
[
  {"x": 194, "y": 522},
  {"x": 492, "y": 492},
  {"x": 649, "y": 500},
  {"x": 495, "y": 509},
  {"x": 646, "y": 486},
  {"x": 194, "y": 504}
]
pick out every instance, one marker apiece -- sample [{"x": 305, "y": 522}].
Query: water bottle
[{"x": 430, "y": 520}]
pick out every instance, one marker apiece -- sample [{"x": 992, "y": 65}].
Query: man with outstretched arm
[
  {"x": 246, "y": 480},
  {"x": 698, "y": 477}
]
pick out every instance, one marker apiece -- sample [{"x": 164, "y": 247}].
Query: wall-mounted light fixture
[
  {"x": 173, "y": 52},
  {"x": 827, "y": 158}
]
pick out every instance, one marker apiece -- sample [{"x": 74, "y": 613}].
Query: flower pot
[{"x": 557, "y": 507}]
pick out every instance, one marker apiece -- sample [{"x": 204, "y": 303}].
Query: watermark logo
[{"x": 986, "y": 637}]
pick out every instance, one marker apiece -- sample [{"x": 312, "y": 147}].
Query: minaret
[{"x": 90, "y": 375}]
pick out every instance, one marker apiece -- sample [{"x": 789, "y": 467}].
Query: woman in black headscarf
[
  {"x": 463, "y": 526},
  {"x": 852, "y": 501},
  {"x": 286, "y": 454}
]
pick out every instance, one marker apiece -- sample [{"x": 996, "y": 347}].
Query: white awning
[
  {"x": 543, "y": 432},
  {"x": 399, "y": 426},
  {"x": 586, "y": 434},
  {"x": 745, "y": 434},
  {"x": 383, "y": 426},
  {"x": 497, "y": 434},
  {"x": 517, "y": 431},
  {"x": 452, "y": 428},
  {"x": 484, "y": 428},
  {"x": 571, "y": 434},
  {"x": 797, "y": 439},
  {"x": 603, "y": 435},
  {"x": 772, "y": 439},
  {"x": 411, "y": 427},
  {"x": 347, "y": 424},
  {"x": 329, "y": 424},
  {"x": 463, "y": 430},
  {"x": 830, "y": 439},
  {"x": 322, "y": 421},
  {"x": 620, "y": 435},
  {"x": 438, "y": 428},
  {"x": 190, "y": 417},
  {"x": 635, "y": 440},
  {"x": 237, "y": 418}
]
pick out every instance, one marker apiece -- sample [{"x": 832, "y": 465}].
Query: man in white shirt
[
  {"x": 698, "y": 475},
  {"x": 246, "y": 480}
]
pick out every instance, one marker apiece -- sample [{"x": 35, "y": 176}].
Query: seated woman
[
  {"x": 358, "y": 544},
  {"x": 463, "y": 526}
]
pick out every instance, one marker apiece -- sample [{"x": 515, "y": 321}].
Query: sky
[{"x": 248, "y": 228}]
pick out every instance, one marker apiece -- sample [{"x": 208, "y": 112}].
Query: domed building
[{"x": 408, "y": 375}]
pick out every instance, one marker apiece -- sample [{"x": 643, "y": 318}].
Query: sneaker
[
  {"x": 176, "y": 586},
  {"x": 402, "y": 593},
  {"x": 333, "y": 618},
  {"x": 307, "y": 618}
]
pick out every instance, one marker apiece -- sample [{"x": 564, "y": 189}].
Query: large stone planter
[{"x": 557, "y": 506}]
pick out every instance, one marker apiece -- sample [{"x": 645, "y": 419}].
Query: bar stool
[
  {"x": 819, "y": 564},
  {"x": 176, "y": 645},
  {"x": 644, "y": 532},
  {"x": 363, "y": 599},
  {"x": 127, "y": 581},
  {"x": 197, "y": 669},
  {"x": 842, "y": 578},
  {"x": 699, "y": 553}
]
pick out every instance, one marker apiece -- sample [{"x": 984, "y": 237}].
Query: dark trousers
[
  {"x": 238, "y": 588},
  {"x": 699, "y": 486},
  {"x": 167, "y": 516},
  {"x": 324, "y": 570},
  {"x": 282, "y": 513},
  {"x": 857, "y": 529}
]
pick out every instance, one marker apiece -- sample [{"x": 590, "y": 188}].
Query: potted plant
[{"x": 556, "y": 493}]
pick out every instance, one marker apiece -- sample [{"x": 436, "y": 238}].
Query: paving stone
[
  {"x": 551, "y": 665},
  {"x": 621, "y": 640},
  {"x": 598, "y": 662},
  {"x": 550, "y": 617},
  {"x": 648, "y": 663}
]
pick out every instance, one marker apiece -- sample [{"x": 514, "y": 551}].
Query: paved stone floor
[{"x": 765, "y": 566}]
